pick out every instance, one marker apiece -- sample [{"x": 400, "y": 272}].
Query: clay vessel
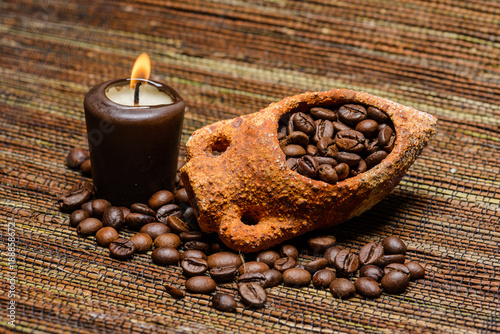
[{"x": 241, "y": 188}]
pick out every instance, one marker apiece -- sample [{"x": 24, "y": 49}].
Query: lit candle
[{"x": 134, "y": 128}]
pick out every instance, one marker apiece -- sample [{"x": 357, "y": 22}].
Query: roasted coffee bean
[
  {"x": 88, "y": 226},
  {"x": 321, "y": 243},
  {"x": 87, "y": 206},
  {"x": 376, "y": 114},
  {"x": 200, "y": 284},
  {"x": 368, "y": 287},
  {"x": 121, "y": 249},
  {"x": 86, "y": 167},
  {"x": 255, "y": 277},
  {"x": 392, "y": 258},
  {"x": 194, "y": 267},
  {"x": 312, "y": 150},
  {"x": 361, "y": 167},
  {"x": 287, "y": 250},
  {"x": 302, "y": 122},
  {"x": 181, "y": 196},
  {"x": 194, "y": 253},
  {"x": 382, "y": 127},
  {"x": 298, "y": 138},
  {"x": 106, "y": 235},
  {"x": 350, "y": 141},
  {"x": 296, "y": 277},
  {"x": 327, "y": 147},
  {"x": 142, "y": 208},
  {"x": 386, "y": 138},
  {"x": 160, "y": 198},
  {"x": 394, "y": 245},
  {"x": 375, "y": 158},
  {"x": 166, "y": 211},
  {"x": 396, "y": 266},
  {"x": 284, "y": 263},
  {"x": 125, "y": 210},
  {"x": 315, "y": 265},
  {"x": 346, "y": 262},
  {"x": 191, "y": 236},
  {"x": 164, "y": 256},
  {"x": 339, "y": 126},
  {"x": 142, "y": 242},
  {"x": 76, "y": 157},
  {"x": 198, "y": 245},
  {"x": 323, "y": 278},
  {"x": 167, "y": 240},
  {"x": 268, "y": 257},
  {"x": 136, "y": 220},
  {"x": 77, "y": 216},
  {"x": 281, "y": 135},
  {"x": 98, "y": 207},
  {"x": 395, "y": 282},
  {"x": 190, "y": 218},
  {"x": 368, "y": 127},
  {"x": 327, "y": 174},
  {"x": 326, "y": 161},
  {"x": 74, "y": 199},
  {"x": 177, "y": 225},
  {"x": 324, "y": 128},
  {"x": 292, "y": 163},
  {"x": 351, "y": 159},
  {"x": 224, "y": 259},
  {"x": 174, "y": 292},
  {"x": 223, "y": 302},
  {"x": 113, "y": 216},
  {"x": 342, "y": 170},
  {"x": 370, "y": 252},
  {"x": 154, "y": 229},
  {"x": 371, "y": 146},
  {"x": 323, "y": 113},
  {"x": 371, "y": 271},
  {"x": 307, "y": 166},
  {"x": 252, "y": 266},
  {"x": 273, "y": 278},
  {"x": 252, "y": 294},
  {"x": 331, "y": 253},
  {"x": 342, "y": 288},
  {"x": 352, "y": 114},
  {"x": 223, "y": 274},
  {"x": 416, "y": 270},
  {"x": 294, "y": 150}
]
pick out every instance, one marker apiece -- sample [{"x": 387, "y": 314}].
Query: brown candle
[{"x": 133, "y": 148}]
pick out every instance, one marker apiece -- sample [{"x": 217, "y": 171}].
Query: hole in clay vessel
[
  {"x": 249, "y": 219},
  {"x": 220, "y": 146}
]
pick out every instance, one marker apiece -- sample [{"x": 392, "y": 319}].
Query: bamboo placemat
[{"x": 229, "y": 58}]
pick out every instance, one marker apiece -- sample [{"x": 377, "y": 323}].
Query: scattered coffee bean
[
  {"x": 273, "y": 278},
  {"x": 194, "y": 253},
  {"x": 177, "y": 225},
  {"x": 323, "y": 278},
  {"x": 88, "y": 226},
  {"x": 160, "y": 198},
  {"x": 284, "y": 263},
  {"x": 320, "y": 244},
  {"x": 342, "y": 288},
  {"x": 396, "y": 266},
  {"x": 86, "y": 167},
  {"x": 200, "y": 284},
  {"x": 181, "y": 196},
  {"x": 113, "y": 217},
  {"x": 252, "y": 266},
  {"x": 136, "y": 220},
  {"x": 125, "y": 210},
  {"x": 346, "y": 262},
  {"x": 87, "y": 206},
  {"x": 168, "y": 210},
  {"x": 370, "y": 253},
  {"x": 121, "y": 249},
  {"x": 386, "y": 259},
  {"x": 198, "y": 245},
  {"x": 416, "y": 270},
  {"x": 223, "y": 302},
  {"x": 371, "y": 271},
  {"x": 191, "y": 236},
  {"x": 174, "y": 292},
  {"x": 106, "y": 236},
  {"x": 167, "y": 240},
  {"x": 315, "y": 265},
  {"x": 252, "y": 294},
  {"x": 163, "y": 256},
  {"x": 296, "y": 277},
  {"x": 331, "y": 253},
  {"x": 154, "y": 229},
  {"x": 74, "y": 199},
  {"x": 194, "y": 267},
  {"x": 98, "y": 207},
  {"x": 142, "y": 242},
  {"x": 368, "y": 287},
  {"x": 395, "y": 282},
  {"x": 254, "y": 277},
  {"x": 76, "y": 157},
  {"x": 142, "y": 208},
  {"x": 223, "y": 274},
  {"x": 287, "y": 250},
  {"x": 393, "y": 245},
  {"x": 224, "y": 259},
  {"x": 268, "y": 257},
  {"x": 77, "y": 216}
]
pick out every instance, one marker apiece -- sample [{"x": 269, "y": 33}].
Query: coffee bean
[
  {"x": 368, "y": 127},
  {"x": 167, "y": 240},
  {"x": 296, "y": 277},
  {"x": 224, "y": 259},
  {"x": 392, "y": 258},
  {"x": 326, "y": 161},
  {"x": 268, "y": 257},
  {"x": 181, "y": 196},
  {"x": 371, "y": 146},
  {"x": 395, "y": 282},
  {"x": 351, "y": 159},
  {"x": 368, "y": 287},
  {"x": 370, "y": 252},
  {"x": 284, "y": 263},
  {"x": 177, "y": 225},
  {"x": 339, "y": 126},
  {"x": 174, "y": 292},
  {"x": 194, "y": 267},
  {"x": 273, "y": 278},
  {"x": 342, "y": 170},
  {"x": 307, "y": 166},
  {"x": 164, "y": 256},
  {"x": 125, "y": 210},
  {"x": 386, "y": 138},
  {"x": 376, "y": 114},
  {"x": 252, "y": 294},
  {"x": 375, "y": 158},
  {"x": 324, "y": 128},
  {"x": 352, "y": 114},
  {"x": 200, "y": 284},
  {"x": 166, "y": 211},
  {"x": 323, "y": 113},
  {"x": 194, "y": 253},
  {"x": 160, "y": 198},
  {"x": 121, "y": 249},
  {"x": 77, "y": 216},
  {"x": 394, "y": 245},
  {"x": 113, "y": 217},
  {"x": 371, "y": 271},
  {"x": 327, "y": 148},
  {"x": 142, "y": 242},
  {"x": 298, "y": 138},
  {"x": 320, "y": 244},
  {"x": 346, "y": 262},
  {"x": 315, "y": 265},
  {"x": 198, "y": 245},
  {"x": 106, "y": 235},
  {"x": 361, "y": 167},
  {"x": 294, "y": 150},
  {"x": 74, "y": 199},
  {"x": 223, "y": 274},
  {"x": 302, "y": 122},
  {"x": 292, "y": 163},
  {"x": 154, "y": 229},
  {"x": 88, "y": 226},
  {"x": 87, "y": 206},
  {"x": 327, "y": 174},
  {"x": 350, "y": 141},
  {"x": 416, "y": 270},
  {"x": 287, "y": 250},
  {"x": 342, "y": 288},
  {"x": 76, "y": 157},
  {"x": 252, "y": 266},
  {"x": 223, "y": 302},
  {"x": 255, "y": 277},
  {"x": 396, "y": 266},
  {"x": 86, "y": 167},
  {"x": 331, "y": 253},
  {"x": 312, "y": 150},
  {"x": 191, "y": 236},
  {"x": 142, "y": 208},
  {"x": 98, "y": 207},
  {"x": 136, "y": 220},
  {"x": 323, "y": 278}
]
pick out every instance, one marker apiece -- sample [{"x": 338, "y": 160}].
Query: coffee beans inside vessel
[{"x": 331, "y": 143}]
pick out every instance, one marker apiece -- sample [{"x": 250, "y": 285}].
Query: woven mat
[{"x": 229, "y": 58}]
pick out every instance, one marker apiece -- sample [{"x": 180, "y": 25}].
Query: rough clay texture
[{"x": 238, "y": 181}]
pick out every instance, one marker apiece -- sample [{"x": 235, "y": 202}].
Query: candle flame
[{"x": 141, "y": 69}]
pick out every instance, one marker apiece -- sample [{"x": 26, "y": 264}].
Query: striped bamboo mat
[{"x": 229, "y": 58}]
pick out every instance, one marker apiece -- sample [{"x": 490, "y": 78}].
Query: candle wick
[{"x": 136, "y": 94}]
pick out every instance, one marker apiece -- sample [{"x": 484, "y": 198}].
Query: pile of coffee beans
[
  {"x": 334, "y": 143},
  {"x": 167, "y": 229}
]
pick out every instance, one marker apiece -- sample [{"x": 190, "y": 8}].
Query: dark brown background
[{"x": 229, "y": 58}]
